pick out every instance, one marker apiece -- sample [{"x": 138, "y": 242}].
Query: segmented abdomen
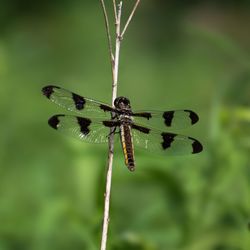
[{"x": 127, "y": 146}]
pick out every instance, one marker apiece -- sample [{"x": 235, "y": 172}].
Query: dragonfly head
[{"x": 122, "y": 103}]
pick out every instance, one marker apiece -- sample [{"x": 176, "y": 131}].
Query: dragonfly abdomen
[{"x": 127, "y": 146}]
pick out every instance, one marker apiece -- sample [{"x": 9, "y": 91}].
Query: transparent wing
[
  {"x": 176, "y": 119},
  {"x": 89, "y": 130},
  {"x": 164, "y": 142},
  {"x": 76, "y": 103}
]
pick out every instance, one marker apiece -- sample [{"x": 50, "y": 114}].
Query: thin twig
[
  {"x": 115, "y": 64},
  {"x": 108, "y": 32},
  {"x": 115, "y": 12},
  {"x": 130, "y": 17}
]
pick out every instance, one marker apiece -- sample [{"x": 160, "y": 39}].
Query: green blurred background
[{"x": 175, "y": 54}]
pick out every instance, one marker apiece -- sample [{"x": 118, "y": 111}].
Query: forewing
[
  {"x": 85, "y": 129},
  {"x": 76, "y": 103},
  {"x": 176, "y": 119},
  {"x": 164, "y": 142}
]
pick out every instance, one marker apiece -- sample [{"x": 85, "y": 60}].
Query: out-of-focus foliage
[{"x": 174, "y": 55}]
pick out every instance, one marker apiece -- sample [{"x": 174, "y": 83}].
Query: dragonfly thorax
[{"x": 125, "y": 119}]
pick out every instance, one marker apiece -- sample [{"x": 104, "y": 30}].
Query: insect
[{"x": 96, "y": 121}]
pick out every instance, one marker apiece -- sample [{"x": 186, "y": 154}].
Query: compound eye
[
  {"x": 117, "y": 102},
  {"x": 126, "y": 101}
]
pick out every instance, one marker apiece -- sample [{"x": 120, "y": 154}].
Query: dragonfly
[{"x": 95, "y": 121}]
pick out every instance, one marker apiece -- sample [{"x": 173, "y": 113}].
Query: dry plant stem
[
  {"x": 117, "y": 51},
  {"x": 130, "y": 18},
  {"x": 115, "y": 67}
]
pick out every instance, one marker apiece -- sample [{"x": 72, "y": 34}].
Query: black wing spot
[
  {"x": 111, "y": 124},
  {"x": 193, "y": 116},
  {"x": 84, "y": 124},
  {"x": 141, "y": 128},
  {"x": 79, "y": 101},
  {"x": 105, "y": 108},
  {"x": 54, "y": 121},
  {"x": 168, "y": 138},
  {"x": 49, "y": 90},
  {"x": 143, "y": 114},
  {"x": 168, "y": 116},
  {"x": 197, "y": 146}
]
